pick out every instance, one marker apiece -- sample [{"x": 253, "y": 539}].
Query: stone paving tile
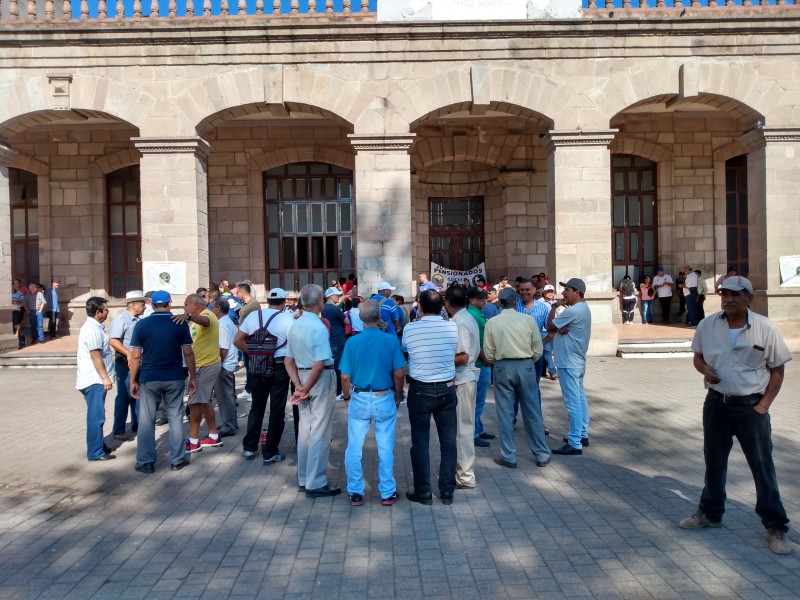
[{"x": 597, "y": 526}]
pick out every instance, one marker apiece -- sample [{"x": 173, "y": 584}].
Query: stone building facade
[{"x": 296, "y": 148}]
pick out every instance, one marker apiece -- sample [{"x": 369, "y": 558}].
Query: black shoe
[
  {"x": 323, "y": 492},
  {"x": 446, "y": 497},
  {"x": 106, "y": 456},
  {"x": 499, "y": 460},
  {"x": 301, "y": 489},
  {"x": 487, "y": 436},
  {"x": 479, "y": 443},
  {"x": 425, "y": 499},
  {"x": 179, "y": 465},
  {"x": 356, "y": 500},
  {"x": 546, "y": 431},
  {"x": 542, "y": 463},
  {"x": 226, "y": 433},
  {"x": 161, "y": 421},
  {"x": 107, "y": 450},
  {"x": 567, "y": 450},
  {"x": 145, "y": 468},
  {"x": 584, "y": 441}
]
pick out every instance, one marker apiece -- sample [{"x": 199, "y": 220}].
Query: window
[
  {"x": 633, "y": 217},
  {"x": 456, "y": 232},
  {"x": 736, "y": 214},
  {"x": 24, "y": 225},
  {"x": 124, "y": 231},
  {"x": 309, "y": 223}
]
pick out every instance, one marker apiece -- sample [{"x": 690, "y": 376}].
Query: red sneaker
[
  {"x": 190, "y": 447},
  {"x": 209, "y": 442}
]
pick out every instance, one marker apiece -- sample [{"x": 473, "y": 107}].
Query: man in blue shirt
[
  {"x": 337, "y": 321},
  {"x": 372, "y": 365},
  {"x": 52, "y": 308},
  {"x": 570, "y": 332},
  {"x": 390, "y": 313},
  {"x": 120, "y": 333},
  {"x": 159, "y": 348}
]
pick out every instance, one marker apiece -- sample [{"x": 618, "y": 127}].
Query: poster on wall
[
  {"x": 167, "y": 276},
  {"x": 790, "y": 271},
  {"x": 442, "y": 276}
]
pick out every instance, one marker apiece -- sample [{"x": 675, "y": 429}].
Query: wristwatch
[{"x": 188, "y": 316}]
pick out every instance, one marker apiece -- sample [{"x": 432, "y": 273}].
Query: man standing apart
[
  {"x": 390, "y": 314},
  {"x": 274, "y": 388},
  {"x": 512, "y": 342},
  {"x": 702, "y": 292},
  {"x": 53, "y": 308},
  {"x": 372, "y": 386},
  {"x": 570, "y": 332},
  {"x": 466, "y": 379},
  {"x": 120, "y": 333},
  {"x": 431, "y": 346},
  {"x": 425, "y": 284},
  {"x": 204, "y": 328},
  {"x": 225, "y": 386},
  {"x": 477, "y": 301},
  {"x": 663, "y": 285},
  {"x": 689, "y": 292},
  {"x": 159, "y": 347},
  {"x": 338, "y": 321},
  {"x": 95, "y": 363},
  {"x": 244, "y": 293},
  {"x": 309, "y": 364},
  {"x": 741, "y": 356}
]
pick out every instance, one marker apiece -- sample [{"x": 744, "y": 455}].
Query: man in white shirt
[
  {"x": 663, "y": 285},
  {"x": 466, "y": 379},
  {"x": 225, "y": 387},
  {"x": 690, "y": 293},
  {"x": 95, "y": 373}
]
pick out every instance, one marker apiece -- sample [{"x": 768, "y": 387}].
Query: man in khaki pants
[{"x": 466, "y": 380}]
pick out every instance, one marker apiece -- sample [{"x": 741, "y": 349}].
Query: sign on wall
[
  {"x": 167, "y": 276},
  {"x": 442, "y": 276},
  {"x": 790, "y": 271}
]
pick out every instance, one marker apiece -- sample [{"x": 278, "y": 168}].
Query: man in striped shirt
[{"x": 431, "y": 346}]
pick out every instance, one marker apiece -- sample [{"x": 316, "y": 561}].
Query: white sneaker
[
  {"x": 244, "y": 395},
  {"x": 340, "y": 398}
]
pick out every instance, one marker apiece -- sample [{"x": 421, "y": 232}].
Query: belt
[
  {"x": 360, "y": 390},
  {"x": 418, "y": 382},
  {"x": 309, "y": 368},
  {"x": 526, "y": 358},
  {"x": 742, "y": 400}
]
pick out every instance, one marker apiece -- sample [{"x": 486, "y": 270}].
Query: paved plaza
[{"x": 597, "y": 526}]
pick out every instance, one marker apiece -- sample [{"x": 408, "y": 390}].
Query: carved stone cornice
[
  {"x": 382, "y": 143},
  {"x": 758, "y": 138},
  {"x": 6, "y": 154},
  {"x": 515, "y": 178},
  {"x": 562, "y": 139},
  {"x": 177, "y": 145}
]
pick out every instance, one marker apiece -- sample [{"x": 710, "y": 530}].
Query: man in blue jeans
[
  {"x": 372, "y": 365},
  {"x": 431, "y": 346},
  {"x": 120, "y": 333},
  {"x": 570, "y": 332},
  {"x": 94, "y": 378}
]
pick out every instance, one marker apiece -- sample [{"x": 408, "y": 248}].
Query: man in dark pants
[
  {"x": 431, "y": 345},
  {"x": 275, "y": 388},
  {"x": 741, "y": 356},
  {"x": 120, "y": 334}
]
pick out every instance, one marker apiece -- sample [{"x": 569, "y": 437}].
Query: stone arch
[
  {"x": 627, "y": 144},
  {"x": 493, "y": 151},
  {"x": 26, "y": 163},
  {"x": 735, "y": 148},
  {"x": 460, "y": 89},
  {"x": 240, "y": 90},
  {"x": 283, "y": 156},
  {"x": 111, "y": 162}
]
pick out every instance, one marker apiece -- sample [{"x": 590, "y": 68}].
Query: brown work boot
[
  {"x": 778, "y": 542},
  {"x": 697, "y": 521}
]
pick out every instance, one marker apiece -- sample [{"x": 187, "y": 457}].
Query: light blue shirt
[
  {"x": 490, "y": 310},
  {"x": 309, "y": 342},
  {"x": 569, "y": 349},
  {"x": 539, "y": 311},
  {"x": 52, "y": 304},
  {"x": 370, "y": 359},
  {"x": 122, "y": 328}
]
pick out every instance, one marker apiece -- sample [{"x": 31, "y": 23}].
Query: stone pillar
[
  {"x": 773, "y": 214},
  {"x": 525, "y": 226},
  {"x": 383, "y": 211},
  {"x": 579, "y": 207},
  {"x": 174, "y": 198},
  {"x": 7, "y": 341}
]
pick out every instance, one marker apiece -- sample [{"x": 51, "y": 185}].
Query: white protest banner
[
  {"x": 442, "y": 276},
  {"x": 167, "y": 276},
  {"x": 790, "y": 271}
]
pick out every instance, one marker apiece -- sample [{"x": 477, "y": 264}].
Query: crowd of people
[
  {"x": 446, "y": 351},
  {"x": 37, "y": 302}
]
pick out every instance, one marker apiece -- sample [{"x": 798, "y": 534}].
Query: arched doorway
[{"x": 310, "y": 229}]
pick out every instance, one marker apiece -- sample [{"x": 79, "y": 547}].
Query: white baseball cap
[
  {"x": 385, "y": 285},
  {"x": 332, "y": 291}
]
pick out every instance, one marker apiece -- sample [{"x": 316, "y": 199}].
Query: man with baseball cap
[
  {"x": 390, "y": 313},
  {"x": 548, "y": 367},
  {"x": 570, "y": 332},
  {"x": 337, "y": 321},
  {"x": 119, "y": 337},
  {"x": 741, "y": 356},
  {"x": 159, "y": 347}
]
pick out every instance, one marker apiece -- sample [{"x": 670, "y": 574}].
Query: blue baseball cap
[{"x": 161, "y": 297}]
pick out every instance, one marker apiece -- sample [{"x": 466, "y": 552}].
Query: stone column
[
  {"x": 7, "y": 341},
  {"x": 383, "y": 211},
  {"x": 525, "y": 224},
  {"x": 579, "y": 207},
  {"x": 773, "y": 214},
  {"x": 174, "y": 198}
]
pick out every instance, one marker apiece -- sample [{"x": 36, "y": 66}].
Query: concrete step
[
  {"x": 37, "y": 360},
  {"x": 655, "y": 349}
]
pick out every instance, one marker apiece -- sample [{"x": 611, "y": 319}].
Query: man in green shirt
[{"x": 476, "y": 299}]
